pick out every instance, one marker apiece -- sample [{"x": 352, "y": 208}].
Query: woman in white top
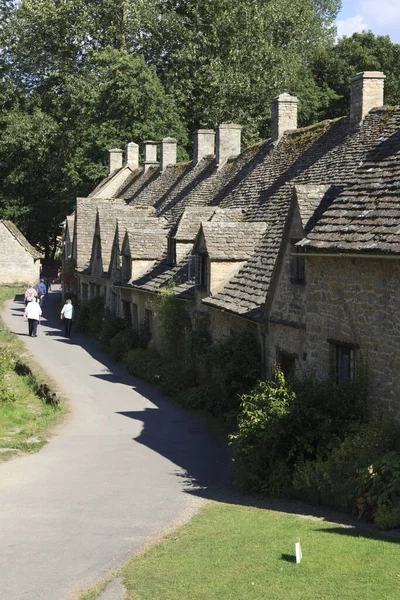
[
  {"x": 67, "y": 314},
  {"x": 33, "y": 313}
]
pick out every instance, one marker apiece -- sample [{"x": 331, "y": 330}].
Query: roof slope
[
  {"x": 366, "y": 216},
  {"x": 21, "y": 239}
]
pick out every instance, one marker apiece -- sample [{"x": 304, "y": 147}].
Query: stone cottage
[
  {"x": 243, "y": 237},
  {"x": 19, "y": 261}
]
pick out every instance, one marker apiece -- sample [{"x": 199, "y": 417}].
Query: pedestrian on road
[
  {"x": 30, "y": 294},
  {"x": 67, "y": 315},
  {"x": 33, "y": 313},
  {"x": 41, "y": 291}
]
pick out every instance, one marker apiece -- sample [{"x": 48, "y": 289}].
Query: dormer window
[
  {"x": 171, "y": 253},
  {"x": 297, "y": 264},
  {"x": 201, "y": 271},
  {"x": 126, "y": 267},
  {"x": 98, "y": 247}
]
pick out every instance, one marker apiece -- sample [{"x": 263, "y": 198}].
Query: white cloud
[
  {"x": 351, "y": 25},
  {"x": 380, "y": 13}
]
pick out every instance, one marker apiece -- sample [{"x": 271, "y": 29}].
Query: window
[
  {"x": 297, "y": 265},
  {"x": 171, "y": 251},
  {"x": 85, "y": 292},
  {"x": 98, "y": 247},
  {"x": 192, "y": 269},
  {"x": 343, "y": 359},
  {"x": 126, "y": 311},
  {"x": 201, "y": 270},
  {"x": 99, "y": 290},
  {"x": 287, "y": 362},
  {"x": 148, "y": 321},
  {"x": 126, "y": 267},
  {"x": 92, "y": 289},
  {"x": 114, "y": 302},
  {"x": 135, "y": 317}
]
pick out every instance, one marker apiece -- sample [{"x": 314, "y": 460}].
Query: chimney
[
  {"x": 366, "y": 93},
  {"x": 168, "y": 152},
  {"x": 114, "y": 160},
  {"x": 228, "y": 141},
  {"x": 204, "y": 144},
  {"x": 132, "y": 156},
  {"x": 150, "y": 154},
  {"x": 284, "y": 115}
]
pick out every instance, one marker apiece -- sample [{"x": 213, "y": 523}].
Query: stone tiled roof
[
  {"x": 321, "y": 155},
  {"x": 231, "y": 240},
  {"x": 21, "y": 239},
  {"x": 366, "y": 216},
  {"x": 149, "y": 241},
  {"x": 314, "y": 166},
  {"x": 164, "y": 275},
  {"x": 85, "y": 223},
  {"x": 190, "y": 222}
]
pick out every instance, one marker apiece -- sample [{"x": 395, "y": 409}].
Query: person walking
[
  {"x": 33, "y": 313},
  {"x": 41, "y": 291},
  {"x": 30, "y": 294},
  {"x": 67, "y": 314}
]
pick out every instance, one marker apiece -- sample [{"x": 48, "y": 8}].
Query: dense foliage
[{"x": 316, "y": 441}]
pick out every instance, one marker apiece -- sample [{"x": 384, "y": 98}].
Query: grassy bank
[
  {"x": 27, "y": 412},
  {"x": 239, "y": 553}
]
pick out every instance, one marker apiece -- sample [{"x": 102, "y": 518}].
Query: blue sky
[{"x": 381, "y": 16}]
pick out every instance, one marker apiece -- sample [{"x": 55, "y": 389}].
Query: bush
[
  {"x": 235, "y": 366},
  {"x": 145, "y": 364},
  {"x": 260, "y": 440},
  {"x": 110, "y": 326},
  {"x": 90, "y": 316},
  {"x": 125, "y": 340},
  {"x": 175, "y": 323}
]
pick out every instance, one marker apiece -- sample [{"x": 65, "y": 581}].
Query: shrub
[
  {"x": 260, "y": 439},
  {"x": 90, "y": 316},
  {"x": 387, "y": 517},
  {"x": 175, "y": 322},
  {"x": 235, "y": 366},
  {"x": 145, "y": 364},
  {"x": 125, "y": 340},
  {"x": 196, "y": 397},
  {"x": 380, "y": 489},
  {"x": 110, "y": 326}
]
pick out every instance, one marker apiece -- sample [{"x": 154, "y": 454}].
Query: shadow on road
[{"x": 203, "y": 460}]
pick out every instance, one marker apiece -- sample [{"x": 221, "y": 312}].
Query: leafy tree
[
  {"x": 224, "y": 60},
  {"x": 332, "y": 69}
]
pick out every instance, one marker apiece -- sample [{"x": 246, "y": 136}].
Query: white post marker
[{"x": 299, "y": 554}]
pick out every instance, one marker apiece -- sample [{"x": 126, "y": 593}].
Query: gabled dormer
[
  {"x": 143, "y": 245},
  {"x": 96, "y": 262},
  {"x": 222, "y": 247}
]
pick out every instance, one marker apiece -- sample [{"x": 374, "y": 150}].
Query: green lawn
[
  {"x": 231, "y": 552},
  {"x": 25, "y": 420}
]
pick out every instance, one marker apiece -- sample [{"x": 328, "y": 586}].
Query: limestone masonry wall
[
  {"x": 357, "y": 301},
  {"x": 16, "y": 264}
]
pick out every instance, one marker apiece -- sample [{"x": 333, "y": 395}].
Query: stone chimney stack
[
  {"x": 204, "y": 144},
  {"x": 284, "y": 115},
  {"x": 132, "y": 156},
  {"x": 366, "y": 93},
  {"x": 228, "y": 141},
  {"x": 150, "y": 154},
  {"x": 114, "y": 160},
  {"x": 168, "y": 152}
]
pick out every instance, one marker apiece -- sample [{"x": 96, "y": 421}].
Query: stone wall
[
  {"x": 357, "y": 301},
  {"x": 286, "y": 328},
  {"x": 16, "y": 264}
]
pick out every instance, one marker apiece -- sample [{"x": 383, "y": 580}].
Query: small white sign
[{"x": 299, "y": 554}]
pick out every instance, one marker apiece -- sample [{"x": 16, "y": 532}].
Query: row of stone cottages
[{"x": 296, "y": 238}]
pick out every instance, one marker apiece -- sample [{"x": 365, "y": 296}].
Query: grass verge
[
  {"x": 26, "y": 418},
  {"x": 237, "y": 552}
]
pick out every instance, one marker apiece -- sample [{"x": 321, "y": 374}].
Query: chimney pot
[
  {"x": 150, "y": 154},
  {"x": 228, "y": 141},
  {"x": 132, "y": 156},
  {"x": 366, "y": 93},
  {"x": 114, "y": 160},
  {"x": 284, "y": 115},
  {"x": 204, "y": 144},
  {"x": 168, "y": 152}
]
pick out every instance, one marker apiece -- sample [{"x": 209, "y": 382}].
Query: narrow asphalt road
[{"x": 125, "y": 466}]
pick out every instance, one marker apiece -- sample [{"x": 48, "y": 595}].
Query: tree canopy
[{"x": 79, "y": 76}]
